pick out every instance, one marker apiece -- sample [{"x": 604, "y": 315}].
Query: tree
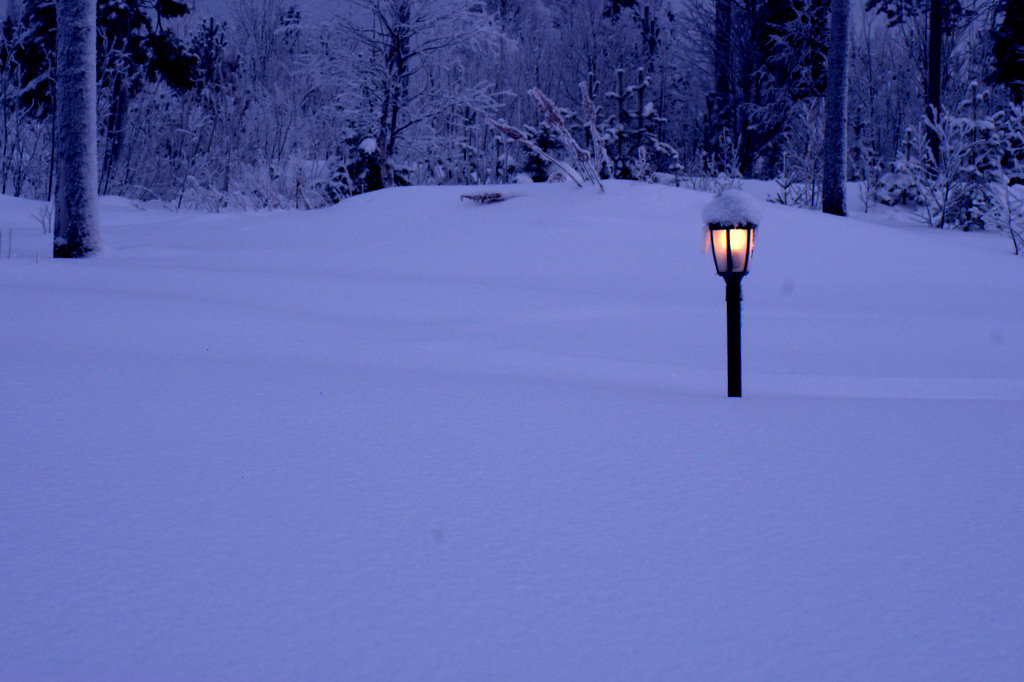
[
  {"x": 1008, "y": 48},
  {"x": 133, "y": 46},
  {"x": 934, "y": 94},
  {"x": 408, "y": 46},
  {"x": 721, "y": 107},
  {"x": 942, "y": 17},
  {"x": 75, "y": 215},
  {"x": 833, "y": 185}
]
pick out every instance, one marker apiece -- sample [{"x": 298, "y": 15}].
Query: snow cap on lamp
[{"x": 732, "y": 207}]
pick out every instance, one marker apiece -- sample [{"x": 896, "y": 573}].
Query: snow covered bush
[
  {"x": 800, "y": 178},
  {"x": 898, "y": 184},
  {"x": 1008, "y": 143},
  {"x": 579, "y": 164},
  {"x": 966, "y": 185},
  {"x": 635, "y": 126},
  {"x": 956, "y": 184},
  {"x": 411, "y": 61}
]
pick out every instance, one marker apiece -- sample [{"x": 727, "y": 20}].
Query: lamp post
[{"x": 732, "y": 220}]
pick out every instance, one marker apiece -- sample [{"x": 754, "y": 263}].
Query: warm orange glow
[{"x": 735, "y": 241}]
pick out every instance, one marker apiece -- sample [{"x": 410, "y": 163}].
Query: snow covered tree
[
  {"x": 20, "y": 132},
  {"x": 75, "y": 215},
  {"x": 942, "y": 17},
  {"x": 955, "y": 188},
  {"x": 30, "y": 35},
  {"x": 881, "y": 74},
  {"x": 784, "y": 68},
  {"x": 135, "y": 47},
  {"x": 833, "y": 186},
  {"x": 407, "y": 49},
  {"x": 32, "y": 46},
  {"x": 800, "y": 172},
  {"x": 1008, "y": 146}
]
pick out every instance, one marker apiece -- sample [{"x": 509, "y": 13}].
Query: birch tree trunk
[
  {"x": 75, "y": 214},
  {"x": 833, "y": 185}
]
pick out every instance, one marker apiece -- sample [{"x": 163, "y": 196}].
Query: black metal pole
[{"x": 733, "y": 296}]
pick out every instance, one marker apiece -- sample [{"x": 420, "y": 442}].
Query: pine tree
[{"x": 786, "y": 80}]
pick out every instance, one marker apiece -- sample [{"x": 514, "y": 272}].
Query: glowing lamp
[
  {"x": 731, "y": 246},
  {"x": 731, "y": 220}
]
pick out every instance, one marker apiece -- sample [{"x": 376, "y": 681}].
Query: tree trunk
[
  {"x": 641, "y": 123},
  {"x": 833, "y": 185},
  {"x": 75, "y": 219},
  {"x": 53, "y": 152},
  {"x": 723, "y": 53},
  {"x": 934, "y": 94},
  {"x": 115, "y": 130},
  {"x": 721, "y": 110}
]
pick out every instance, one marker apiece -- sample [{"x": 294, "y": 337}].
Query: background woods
[{"x": 270, "y": 104}]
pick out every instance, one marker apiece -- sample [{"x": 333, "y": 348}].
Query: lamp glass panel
[
  {"x": 732, "y": 242},
  {"x": 719, "y": 249},
  {"x": 738, "y": 244}
]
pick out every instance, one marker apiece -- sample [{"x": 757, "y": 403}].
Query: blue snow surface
[{"x": 411, "y": 437}]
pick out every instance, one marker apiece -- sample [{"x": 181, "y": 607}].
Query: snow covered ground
[{"x": 410, "y": 437}]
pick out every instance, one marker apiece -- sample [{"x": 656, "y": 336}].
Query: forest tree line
[{"x": 274, "y": 106}]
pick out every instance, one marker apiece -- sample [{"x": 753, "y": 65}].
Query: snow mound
[{"x": 368, "y": 146}]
